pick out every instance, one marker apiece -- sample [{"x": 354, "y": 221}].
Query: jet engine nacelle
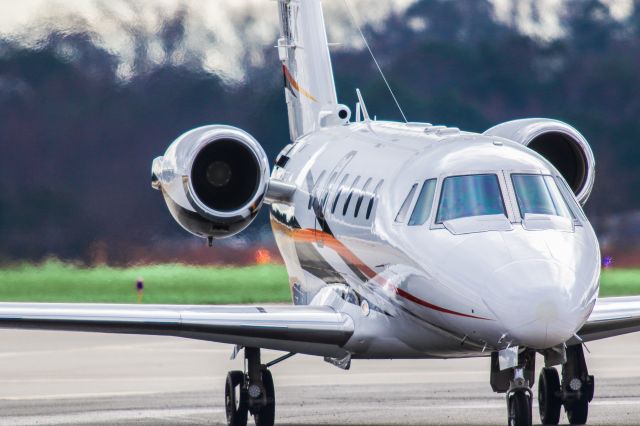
[
  {"x": 562, "y": 145},
  {"x": 214, "y": 179}
]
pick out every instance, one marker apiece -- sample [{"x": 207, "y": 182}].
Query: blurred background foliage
[{"x": 80, "y": 123}]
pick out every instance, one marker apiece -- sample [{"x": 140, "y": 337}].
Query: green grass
[
  {"x": 620, "y": 282},
  {"x": 58, "y": 282}
]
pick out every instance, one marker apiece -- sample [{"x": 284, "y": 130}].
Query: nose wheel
[
  {"x": 516, "y": 382},
  {"x": 519, "y": 398},
  {"x": 519, "y": 404}
]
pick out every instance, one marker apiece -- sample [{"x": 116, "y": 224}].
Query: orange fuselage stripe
[{"x": 315, "y": 236}]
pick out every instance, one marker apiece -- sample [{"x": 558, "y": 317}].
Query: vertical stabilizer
[{"x": 306, "y": 65}]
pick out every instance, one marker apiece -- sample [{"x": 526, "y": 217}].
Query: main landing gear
[
  {"x": 251, "y": 392},
  {"x": 574, "y": 393}
]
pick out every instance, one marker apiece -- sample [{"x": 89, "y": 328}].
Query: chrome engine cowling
[
  {"x": 214, "y": 179},
  {"x": 562, "y": 145}
]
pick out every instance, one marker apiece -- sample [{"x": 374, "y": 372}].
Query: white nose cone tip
[
  {"x": 547, "y": 311},
  {"x": 539, "y": 306},
  {"x": 548, "y": 325}
]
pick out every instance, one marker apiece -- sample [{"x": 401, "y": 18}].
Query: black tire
[
  {"x": 548, "y": 399},
  {"x": 235, "y": 399},
  {"x": 578, "y": 411},
  {"x": 519, "y": 409},
  {"x": 267, "y": 414}
]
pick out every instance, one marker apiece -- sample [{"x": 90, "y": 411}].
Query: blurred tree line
[{"x": 78, "y": 140}]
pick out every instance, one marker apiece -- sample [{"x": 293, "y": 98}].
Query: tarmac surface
[{"x": 65, "y": 378}]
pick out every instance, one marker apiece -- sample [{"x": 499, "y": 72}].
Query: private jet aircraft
[{"x": 401, "y": 240}]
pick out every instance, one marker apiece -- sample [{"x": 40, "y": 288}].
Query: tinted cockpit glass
[
  {"x": 422, "y": 210},
  {"x": 539, "y": 194},
  {"x": 404, "y": 210},
  {"x": 470, "y": 195}
]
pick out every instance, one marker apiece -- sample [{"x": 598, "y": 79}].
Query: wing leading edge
[
  {"x": 301, "y": 329},
  {"x": 612, "y": 316}
]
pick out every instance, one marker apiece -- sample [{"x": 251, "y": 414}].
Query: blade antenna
[
  {"x": 357, "y": 26},
  {"x": 362, "y": 106}
]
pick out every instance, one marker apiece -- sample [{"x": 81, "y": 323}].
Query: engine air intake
[
  {"x": 225, "y": 175},
  {"x": 214, "y": 180},
  {"x": 560, "y": 144}
]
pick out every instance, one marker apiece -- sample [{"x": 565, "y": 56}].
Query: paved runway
[{"x": 81, "y": 378}]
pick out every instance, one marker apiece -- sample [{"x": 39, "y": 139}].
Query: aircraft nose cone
[
  {"x": 542, "y": 326},
  {"x": 539, "y": 307}
]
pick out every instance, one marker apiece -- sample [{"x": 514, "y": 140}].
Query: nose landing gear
[
  {"x": 519, "y": 397},
  {"x": 516, "y": 382},
  {"x": 251, "y": 392}
]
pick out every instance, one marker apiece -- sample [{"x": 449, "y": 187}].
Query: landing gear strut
[
  {"x": 577, "y": 386},
  {"x": 516, "y": 382},
  {"x": 575, "y": 392},
  {"x": 519, "y": 398},
  {"x": 251, "y": 392}
]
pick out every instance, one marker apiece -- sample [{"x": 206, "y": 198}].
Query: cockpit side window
[
  {"x": 404, "y": 210},
  {"x": 470, "y": 195},
  {"x": 539, "y": 194},
  {"x": 422, "y": 210},
  {"x": 570, "y": 198}
]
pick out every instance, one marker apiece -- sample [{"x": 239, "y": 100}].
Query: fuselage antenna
[
  {"x": 375, "y": 61},
  {"x": 363, "y": 107}
]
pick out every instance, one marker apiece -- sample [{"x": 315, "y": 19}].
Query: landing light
[{"x": 365, "y": 308}]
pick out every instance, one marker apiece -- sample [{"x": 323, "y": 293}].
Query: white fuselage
[{"x": 463, "y": 287}]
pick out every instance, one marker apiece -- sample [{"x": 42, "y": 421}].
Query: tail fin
[{"x": 306, "y": 65}]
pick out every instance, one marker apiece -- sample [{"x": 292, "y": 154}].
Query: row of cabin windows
[{"x": 352, "y": 190}]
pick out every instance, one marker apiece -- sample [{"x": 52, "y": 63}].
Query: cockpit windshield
[
  {"x": 539, "y": 194},
  {"x": 470, "y": 195}
]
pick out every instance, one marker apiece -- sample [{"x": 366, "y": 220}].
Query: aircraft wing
[
  {"x": 316, "y": 330},
  {"x": 612, "y": 316}
]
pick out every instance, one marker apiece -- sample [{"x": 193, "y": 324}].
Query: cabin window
[
  {"x": 373, "y": 198},
  {"x": 361, "y": 197},
  {"x": 313, "y": 187},
  {"x": 333, "y": 177},
  {"x": 470, "y": 195},
  {"x": 346, "y": 203},
  {"x": 539, "y": 194},
  {"x": 335, "y": 200},
  {"x": 404, "y": 209},
  {"x": 422, "y": 210}
]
